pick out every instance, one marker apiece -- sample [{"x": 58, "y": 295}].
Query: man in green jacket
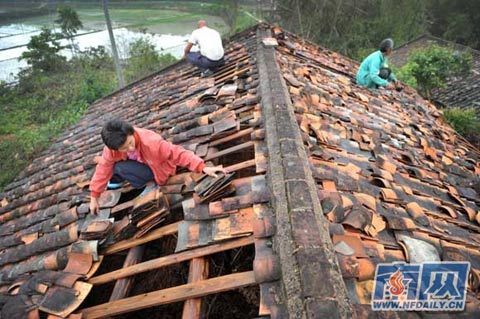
[{"x": 374, "y": 71}]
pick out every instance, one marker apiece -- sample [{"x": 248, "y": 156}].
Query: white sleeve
[{"x": 193, "y": 38}]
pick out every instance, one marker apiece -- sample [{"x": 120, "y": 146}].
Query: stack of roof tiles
[{"x": 392, "y": 179}]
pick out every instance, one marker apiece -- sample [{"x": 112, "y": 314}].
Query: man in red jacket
[{"x": 139, "y": 156}]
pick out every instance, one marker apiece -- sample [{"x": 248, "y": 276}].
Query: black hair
[
  {"x": 115, "y": 133},
  {"x": 386, "y": 44}
]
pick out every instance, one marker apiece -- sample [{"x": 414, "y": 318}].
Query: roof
[
  {"x": 330, "y": 180},
  {"x": 393, "y": 179},
  {"x": 51, "y": 246},
  {"x": 460, "y": 91}
]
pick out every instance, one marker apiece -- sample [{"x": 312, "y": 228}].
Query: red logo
[{"x": 395, "y": 283}]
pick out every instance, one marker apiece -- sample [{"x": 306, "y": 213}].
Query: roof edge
[{"x": 447, "y": 42}]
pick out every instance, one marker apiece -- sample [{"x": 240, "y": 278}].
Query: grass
[
  {"x": 464, "y": 120},
  {"x": 32, "y": 119}
]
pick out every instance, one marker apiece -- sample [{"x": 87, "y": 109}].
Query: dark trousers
[
  {"x": 203, "y": 62},
  {"x": 136, "y": 173}
]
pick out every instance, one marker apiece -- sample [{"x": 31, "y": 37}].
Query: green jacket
[{"x": 367, "y": 74}]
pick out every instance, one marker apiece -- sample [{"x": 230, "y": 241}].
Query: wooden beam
[
  {"x": 154, "y": 234},
  {"x": 231, "y": 67},
  {"x": 231, "y": 137},
  {"x": 170, "y": 260},
  {"x": 122, "y": 286},
  {"x": 231, "y": 75},
  {"x": 229, "y": 150},
  {"x": 239, "y": 166},
  {"x": 171, "y": 295},
  {"x": 122, "y": 206},
  {"x": 198, "y": 271}
]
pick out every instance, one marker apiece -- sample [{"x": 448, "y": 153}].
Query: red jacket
[{"x": 161, "y": 156}]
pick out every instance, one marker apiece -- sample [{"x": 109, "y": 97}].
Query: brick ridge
[{"x": 312, "y": 282}]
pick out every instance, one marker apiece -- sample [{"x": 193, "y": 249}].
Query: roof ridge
[{"x": 430, "y": 36}]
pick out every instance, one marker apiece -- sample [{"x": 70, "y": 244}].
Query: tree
[
  {"x": 69, "y": 23},
  {"x": 229, "y": 12},
  {"x": 354, "y": 28},
  {"x": 43, "y": 52},
  {"x": 456, "y": 21},
  {"x": 144, "y": 59},
  {"x": 432, "y": 66}
]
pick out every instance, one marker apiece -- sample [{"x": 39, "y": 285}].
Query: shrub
[
  {"x": 431, "y": 67},
  {"x": 144, "y": 59},
  {"x": 43, "y": 52},
  {"x": 465, "y": 121}
]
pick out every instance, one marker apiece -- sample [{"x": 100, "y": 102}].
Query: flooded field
[{"x": 167, "y": 29}]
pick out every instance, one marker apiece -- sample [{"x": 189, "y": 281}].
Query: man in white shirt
[{"x": 210, "y": 56}]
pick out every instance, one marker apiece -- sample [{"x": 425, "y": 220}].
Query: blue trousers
[
  {"x": 203, "y": 62},
  {"x": 136, "y": 173}
]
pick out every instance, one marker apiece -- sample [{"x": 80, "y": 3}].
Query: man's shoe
[
  {"x": 148, "y": 188},
  {"x": 111, "y": 185},
  {"x": 206, "y": 73}
]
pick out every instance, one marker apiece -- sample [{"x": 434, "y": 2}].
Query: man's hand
[
  {"x": 390, "y": 86},
  {"x": 213, "y": 170},
  {"x": 94, "y": 207}
]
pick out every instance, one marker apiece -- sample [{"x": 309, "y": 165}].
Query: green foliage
[
  {"x": 144, "y": 59},
  {"x": 465, "y": 121},
  {"x": 354, "y": 28},
  {"x": 93, "y": 58},
  {"x": 230, "y": 11},
  {"x": 43, "y": 52},
  {"x": 405, "y": 75},
  {"x": 244, "y": 21},
  {"x": 431, "y": 67},
  {"x": 43, "y": 105},
  {"x": 68, "y": 21},
  {"x": 456, "y": 21}
]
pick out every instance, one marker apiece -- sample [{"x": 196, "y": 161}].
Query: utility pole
[{"x": 118, "y": 67}]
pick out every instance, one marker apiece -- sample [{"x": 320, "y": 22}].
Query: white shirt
[{"x": 209, "y": 41}]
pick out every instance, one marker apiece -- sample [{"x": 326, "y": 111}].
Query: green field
[{"x": 152, "y": 16}]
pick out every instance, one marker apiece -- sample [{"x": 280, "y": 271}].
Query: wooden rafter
[
  {"x": 170, "y": 260},
  {"x": 122, "y": 286},
  {"x": 165, "y": 296},
  {"x": 154, "y": 234},
  {"x": 198, "y": 271}
]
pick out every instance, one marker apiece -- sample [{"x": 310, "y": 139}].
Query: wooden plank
[
  {"x": 170, "y": 259},
  {"x": 171, "y": 295},
  {"x": 154, "y": 234},
  {"x": 122, "y": 286},
  {"x": 198, "y": 271},
  {"x": 227, "y": 69},
  {"x": 229, "y": 150},
  {"x": 122, "y": 206},
  {"x": 232, "y": 137},
  {"x": 218, "y": 80},
  {"x": 239, "y": 166}
]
